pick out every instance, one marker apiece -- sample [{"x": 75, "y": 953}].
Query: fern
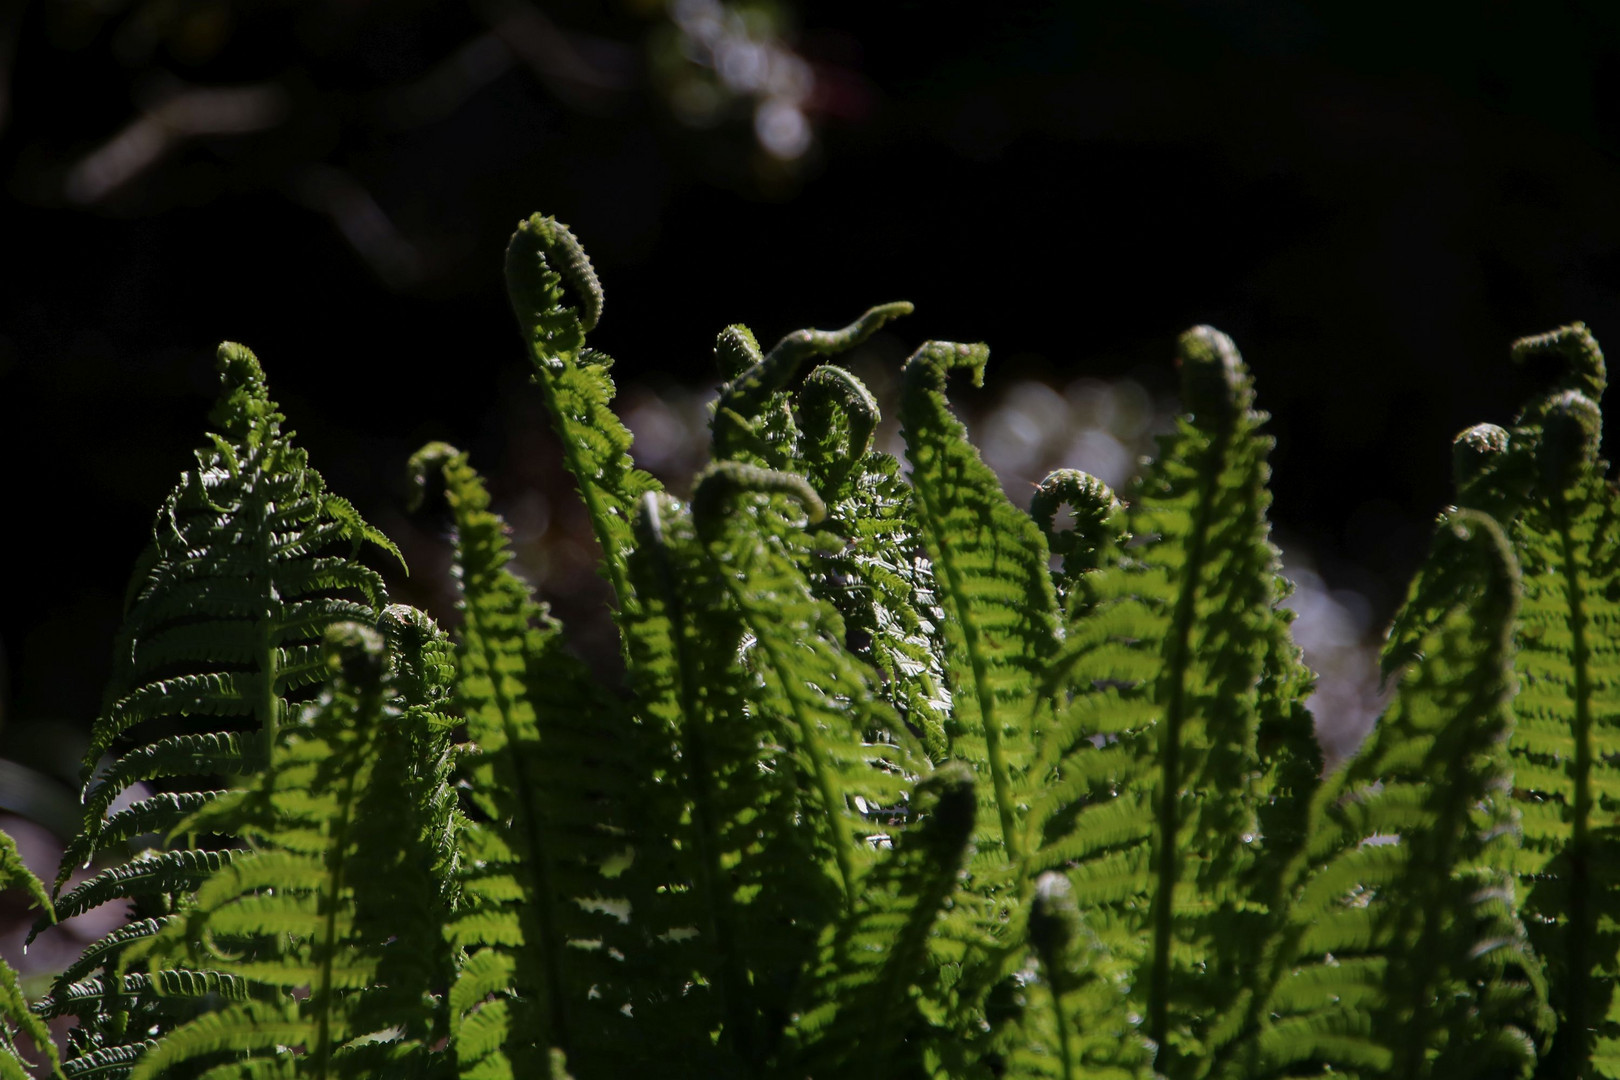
[
  {"x": 327, "y": 907},
  {"x": 14, "y": 1012},
  {"x": 990, "y": 562},
  {"x": 1175, "y": 660},
  {"x": 550, "y": 791},
  {"x": 901, "y": 781},
  {"x": 1403, "y": 955},
  {"x": 251, "y": 559},
  {"x": 558, "y": 300}
]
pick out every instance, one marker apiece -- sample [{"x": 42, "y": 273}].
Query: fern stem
[
  {"x": 1167, "y": 857},
  {"x": 1581, "y": 930},
  {"x": 587, "y": 487}
]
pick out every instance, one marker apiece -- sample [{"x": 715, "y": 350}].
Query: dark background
[{"x": 1374, "y": 203}]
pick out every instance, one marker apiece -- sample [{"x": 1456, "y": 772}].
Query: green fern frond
[
  {"x": 239, "y": 584},
  {"x": 558, "y": 299},
  {"x": 15, "y": 1015},
  {"x": 760, "y": 387},
  {"x": 1098, "y": 533},
  {"x": 1404, "y": 955},
  {"x": 1076, "y": 1020},
  {"x": 1176, "y": 664},
  {"x": 879, "y": 582},
  {"x": 551, "y": 774},
  {"x": 990, "y": 563},
  {"x": 329, "y": 916},
  {"x": 817, "y": 697},
  {"x": 1566, "y": 776},
  {"x": 860, "y": 1016}
]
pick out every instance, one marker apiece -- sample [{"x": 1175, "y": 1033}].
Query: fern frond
[
  {"x": 880, "y": 582},
  {"x": 1097, "y": 535},
  {"x": 816, "y": 697},
  {"x": 1176, "y": 664},
  {"x": 551, "y": 774},
  {"x": 14, "y": 1011},
  {"x": 990, "y": 562},
  {"x": 1077, "y": 1022},
  {"x": 860, "y": 1016},
  {"x": 1566, "y": 776},
  {"x": 330, "y": 917},
  {"x": 1404, "y": 955},
  {"x": 251, "y": 559},
  {"x": 748, "y": 393},
  {"x": 558, "y": 299}
]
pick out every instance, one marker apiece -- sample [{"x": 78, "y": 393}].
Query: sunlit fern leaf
[
  {"x": 1172, "y": 669},
  {"x": 817, "y": 699},
  {"x": 1403, "y": 955},
  {"x": 881, "y": 582},
  {"x": 549, "y": 773},
  {"x": 558, "y": 300},
  {"x": 15, "y": 1016},
  {"x": 327, "y": 914},
  {"x": 990, "y": 563},
  {"x": 860, "y": 1014}
]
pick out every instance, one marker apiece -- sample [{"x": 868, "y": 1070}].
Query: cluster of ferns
[{"x": 902, "y": 780}]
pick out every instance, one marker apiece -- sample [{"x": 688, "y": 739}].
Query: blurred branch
[
  {"x": 371, "y": 233},
  {"x": 185, "y": 113},
  {"x": 558, "y": 59},
  {"x": 442, "y": 91}
]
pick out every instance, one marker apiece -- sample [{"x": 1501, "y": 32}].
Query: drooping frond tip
[
  {"x": 543, "y": 246},
  {"x": 1575, "y": 350},
  {"x": 746, "y": 392},
  {"x": 245, "y": 395},
  {"x": 1572, "y": 430},
  {"x": 830, "y": 387},
  {"x": 1214, "y": 382},
  {"x": 933, "y": 360},
  {"x": 736, "y": 350},
  {"x": 1474, "y": 450},
  {"x": 724, "y": 479},
  {"x": 426, "y": 463}
]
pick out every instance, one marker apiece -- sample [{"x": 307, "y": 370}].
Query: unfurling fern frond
[
  {"x": 860, "y": 1015},
  {"x": 251, "y": 559},
  {"x": 881, "y": 582},
  {"x": 1176, "y": 664},
  {"x": 558, "y": 300},
  {"x": 549, "y": 772},
  {"x": 1566, "y": 745},
  {"x": 990, "y": 563},
  {"x": 1403, "y": 955},
  {"x": 751, "y": 417},
  {"x": 328, "y": 915},
  {"x": 14, "y": 1012}
]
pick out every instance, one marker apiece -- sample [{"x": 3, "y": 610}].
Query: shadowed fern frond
[
  {"x": 251, "y": 559},
  {"x": 329, "y": 914},
  {"x": 1403, "y": 954},
  {"x": 549, "y": 771}
]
